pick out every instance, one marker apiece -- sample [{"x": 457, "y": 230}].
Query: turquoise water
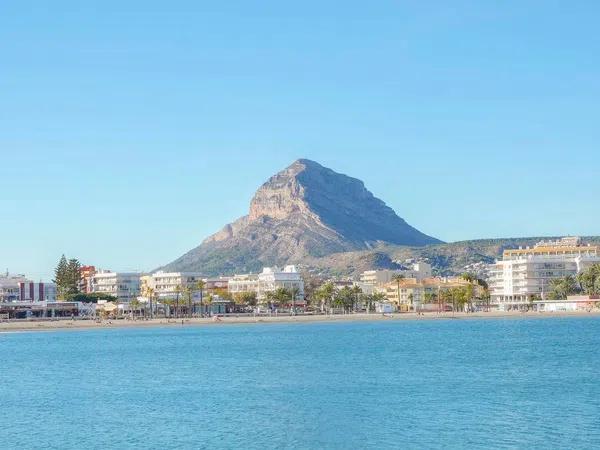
[{"x": 410, "y": 384}]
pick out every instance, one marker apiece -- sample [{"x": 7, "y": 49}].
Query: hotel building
[
  {"x": 525, "y": 274},
  {"x": 269, "y": 280},
  {"x": 167, "y": 284},
  {"x": 419, "y": 271},
  {"x": 411, "y": 292},
  {"x": 125, "y": 286},
  {"x": 17, "y": 288}
]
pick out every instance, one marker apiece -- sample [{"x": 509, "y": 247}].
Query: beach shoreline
[{"x": 82, "y": 324}]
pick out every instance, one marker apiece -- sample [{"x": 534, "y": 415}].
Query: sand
[{"x": 82, "y": 324}]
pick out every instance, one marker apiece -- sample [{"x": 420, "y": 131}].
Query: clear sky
[{"x": 131, "y": 130}]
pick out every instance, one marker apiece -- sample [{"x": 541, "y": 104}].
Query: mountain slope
[{"x": 305, "y": 211}]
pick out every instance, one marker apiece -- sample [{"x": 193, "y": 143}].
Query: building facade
[
  {"x": 418, "y": 271},
  {"x": 525, "y": 274},
  {"x": 169, "y": 285},
  {"x": 86, "y": 275},
  {"x": 37, "y": 292},
  {"x": 125, "y": 286},
  {"x": 10, "y": 287},
  {"x": 410, "y": 293},
  {"x": 269, "y": 280}
]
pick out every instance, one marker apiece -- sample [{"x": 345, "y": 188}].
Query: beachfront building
[
  {"x": 30, "y": 291},
  {"x": 169, "y": 285},
  {"x": 241, "y": 283},
  {"x": 10, "y": 287},
  {"x": 269, "y": 280},
  {"x": 17, "y": 288},
  {"x": 216, "y": 285},
  {"x": 525, "y": 274},
  {"x": 412, "y": 293},
  {"x": 86, "y": 275},
  {"x": 418, "y": 271},
  {"x": 123, "y": 285}
]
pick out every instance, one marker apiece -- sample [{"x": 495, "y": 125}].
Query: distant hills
[
  {"x": 329, "y": 223},
  {"x": 446, "y": 258}
]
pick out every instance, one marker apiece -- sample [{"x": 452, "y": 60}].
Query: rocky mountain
[{"x": 303, "y": 213}]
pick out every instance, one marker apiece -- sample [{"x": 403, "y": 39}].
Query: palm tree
[
  {"x": 357, "y": 291},
  {"x": 444, "y": 296},
  {"x": 178, "y": 290},
  {"x": 325, "y": 294},
  {"x": 150, "y": 295},
  {"x": 281, "y": 296},
  {"x": 294, "y": 292},
  {"x": 376, "y": 297},
  {"x": 589, "y": 280},
  {"x": 199, "y": 286},
  {"x": 397, "y": 278},
  {"x": 563, "y": 287},
  {"x": 208, "y": 301},
  {"x": 134, "y": 304},
  {"x": 187, "y": 293}
]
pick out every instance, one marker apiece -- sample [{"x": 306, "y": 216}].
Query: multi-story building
[
  {"x": 243, "y": 283},
  {"x": 409, "y": 293},
  {"x": 37, "y": 292},
  {"x": 526, "y": 274},
  {"x": 17, "y": 288},
  {"x": 86, "y": 275},
  {"x": 269, "y": 280},
  {"x": 10, "y": 287},
  {"x": 123, "y": 285},
  {"x": 419, "y": 271},
  {"x": 168, "y": 285},
  {"x": 217, "y": 284}
]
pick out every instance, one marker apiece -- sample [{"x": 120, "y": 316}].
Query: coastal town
[{"x": 551, "y": 276}]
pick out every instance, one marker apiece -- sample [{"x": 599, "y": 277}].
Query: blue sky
[{"x": 131, "y": 130}]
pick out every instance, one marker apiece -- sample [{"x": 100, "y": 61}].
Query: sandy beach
[{"x": 82, "y": 324}]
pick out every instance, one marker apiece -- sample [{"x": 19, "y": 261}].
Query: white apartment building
[
  {"x": 123, "y": 285},
  {"x": 243, "y": 283},
  {"x": 167, "y": 284},
  {"x": 17, "y": 288},
  {"x": 10, "y": 290},
  {"x": 269, "y": 280},
  {"x": 525, "y": 274},
  {"x": 418, "y": 271},
  {"x": 37, "y": 292}
]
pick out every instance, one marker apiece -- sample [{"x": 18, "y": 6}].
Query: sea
[{"x": 480, "y": 383}]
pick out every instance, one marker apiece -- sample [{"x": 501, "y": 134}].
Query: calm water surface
[{"x": 416, "y": 384}]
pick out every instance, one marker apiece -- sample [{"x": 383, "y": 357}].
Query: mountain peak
[{"x": 305, "y": 210}]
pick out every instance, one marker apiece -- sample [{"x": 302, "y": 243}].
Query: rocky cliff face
[{"x": 304, "y": 211}]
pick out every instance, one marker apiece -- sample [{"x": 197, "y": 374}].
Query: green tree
[
  {"x": 178, "y": 291},
  {"x": 282, "y": 296},
  {"x": 61, "y": 278},
  {"x": 397, "y": 278},
  {"x": 91, "y": 298},
  {"x": 246, "y": 298},
  {"x": 73, "y": 275},
  {"x": 325, "y": 294},
  {"x": 199, "y": 287},
  {"x": 358, "y": 293},
  {"x": 372, "y": 299},
  {"x": 294, "y": 294},
  {"x": 66, "y": 277},
  {"x": 560, "y": 288},
  {"x": 589, "y": 280}
]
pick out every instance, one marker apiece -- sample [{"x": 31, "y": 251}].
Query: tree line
[{"x": 586, "y": 282}]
